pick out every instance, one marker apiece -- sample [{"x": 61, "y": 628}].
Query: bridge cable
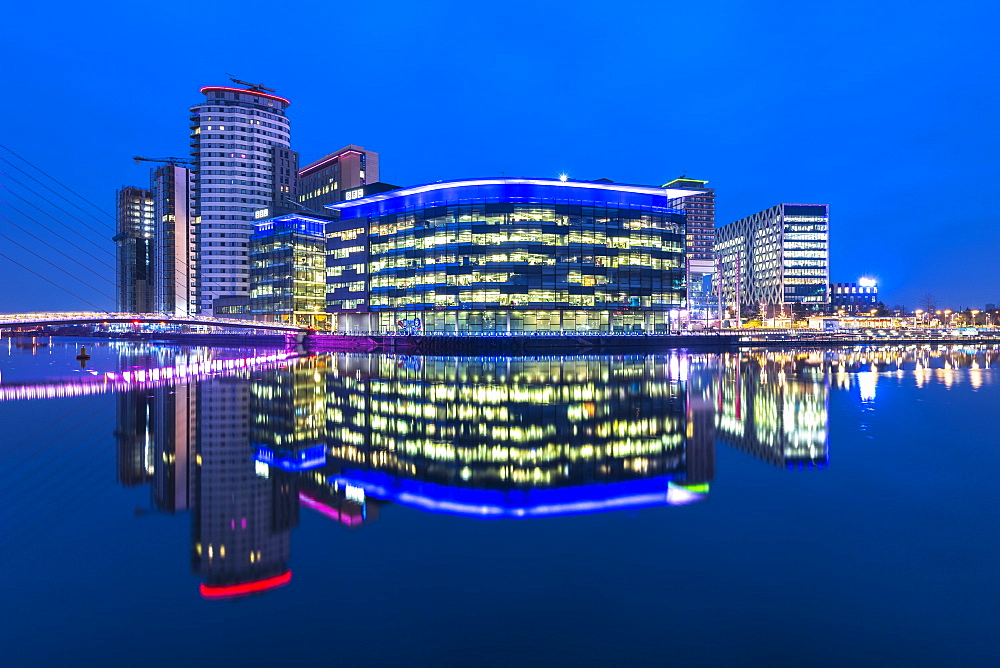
[
  {"x": 58, "y": 182},
  {"x": 100, "y": 233},
  {"x": 56, "y": 266},
  {"x": 187, "y": 266},
  {"x": 88, "y": 239},
  {"x": 62, "y": 252},
  {"x": 99, "y": 309}
]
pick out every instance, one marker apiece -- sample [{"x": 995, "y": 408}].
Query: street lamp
[{"x": 919, "y": 313}]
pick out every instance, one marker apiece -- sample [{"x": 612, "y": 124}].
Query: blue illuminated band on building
[
  {"x": 509, "y": 255},
  {"x": 512, "y": 190},
  {"x": 521, "y": 503},
  {"x": 302, "y": 460},
  {"x": 292, "y": 223}
]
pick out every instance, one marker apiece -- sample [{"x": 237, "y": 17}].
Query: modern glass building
[
  {"x": 287, "y": 271},
  {"x": 174, "y": 250},
  {"x": 510, "y": 255},
  {"x": 134, "y": 250},
  {"x": 774, "y": 259}
]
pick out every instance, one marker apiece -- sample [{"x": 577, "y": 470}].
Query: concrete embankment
[
  {"x": 625, "y": 344},
  {"x": 514, "y": 344}
]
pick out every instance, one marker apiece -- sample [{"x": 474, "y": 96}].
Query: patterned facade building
[{"x": 775, "y": 259}]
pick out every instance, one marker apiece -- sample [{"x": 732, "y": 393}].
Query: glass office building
[
  {"x": 511, "y": 255},
  {"x": 134, "y": 261},
  {"x": 287, "y": 271}
]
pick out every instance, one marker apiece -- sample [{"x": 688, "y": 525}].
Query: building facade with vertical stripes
[{"x": 239, "y": 140}]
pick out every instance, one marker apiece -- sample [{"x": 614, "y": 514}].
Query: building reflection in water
[
  {"x": 773, "y": 406},
  {"x": 343, "y": 435},
  {"x": 510, "y": 437}
]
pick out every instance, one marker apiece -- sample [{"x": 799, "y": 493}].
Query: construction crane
[
  {"x": 168, "y": 160},
  {"x": 256, "y": 87}
]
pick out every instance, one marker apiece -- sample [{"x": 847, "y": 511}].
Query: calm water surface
[{"x": 168, "y": 505}]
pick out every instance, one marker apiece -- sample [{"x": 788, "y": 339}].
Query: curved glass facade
[{"x": 513, "y": 255}]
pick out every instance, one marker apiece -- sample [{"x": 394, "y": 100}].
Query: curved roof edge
[
  {"x": 246, "y": 90},
  {"x": 669, "y": 193}
]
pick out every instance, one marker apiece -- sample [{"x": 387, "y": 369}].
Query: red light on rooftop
[{"x": 242, "y": 589}]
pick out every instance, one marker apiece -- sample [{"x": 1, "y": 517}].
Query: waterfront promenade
[
  {"x": 218, "y": 332},
  {"x": 556, "y": 343}
]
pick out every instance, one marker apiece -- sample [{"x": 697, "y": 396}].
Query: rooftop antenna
[
  {"x": 170, "y": 160},
  {"x": 255, "y": 87}
]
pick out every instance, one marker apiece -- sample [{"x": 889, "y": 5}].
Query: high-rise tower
[
  {"x": 173, "y": 265},
  {"x": 699, "y": 245},
  {"x": 237, "y": 136},
  {"x": 134, "y": 250}
]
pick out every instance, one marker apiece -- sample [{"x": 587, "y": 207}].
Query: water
[{"x": 234, "y": 506}]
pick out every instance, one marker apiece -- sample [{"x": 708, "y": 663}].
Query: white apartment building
[{"x": 239, "y": 141}]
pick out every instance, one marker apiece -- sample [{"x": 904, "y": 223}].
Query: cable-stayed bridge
[{"x": 55, "y": 240}]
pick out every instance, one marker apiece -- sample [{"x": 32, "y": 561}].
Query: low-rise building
[
  {"x": 854, "y": 298},
  {"x": 288, "y": 270}
]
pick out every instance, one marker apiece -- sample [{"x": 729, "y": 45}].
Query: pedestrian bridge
[{"x": 9, "y": 320}]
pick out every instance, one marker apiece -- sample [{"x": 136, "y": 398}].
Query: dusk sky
[{"x": 886, "y": 111}]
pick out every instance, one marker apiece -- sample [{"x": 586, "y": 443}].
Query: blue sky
[{"x": 886, "y": 111}]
